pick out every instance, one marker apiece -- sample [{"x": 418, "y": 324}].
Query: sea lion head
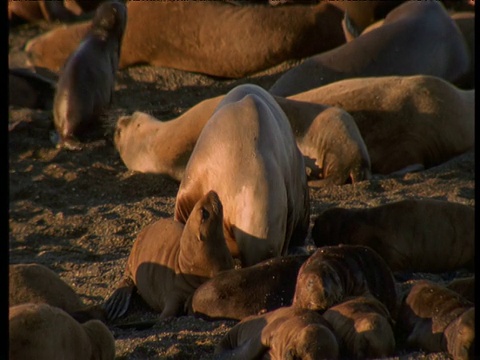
[
  {"x": 318, "y": 287},
  {"x": 203, "y": 248},
  {"x": 110, "y": 19},
  {"x": 313, "y": 342},
  {"x": 103, "y": 343}
]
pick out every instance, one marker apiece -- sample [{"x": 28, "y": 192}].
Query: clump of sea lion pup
[{"x": 341, "y": 301}]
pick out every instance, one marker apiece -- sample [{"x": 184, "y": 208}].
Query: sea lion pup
[
  {"x": 414, "y": 235},
  {"x": 412, "y": 121},
  {"x": 86, "y": 83},
  {"x": 284, "y": 333},
  {"x": 437, "y": 49},
  {"x": 209, "y": 37},
  {"x": 438, "y": 319},
  {"x": 170, "y": 260},
  {"x": 247, "y": 153},
  {"x": 36, "y": 283},
  {"x": 464, "y": 286},
  {"x": 265, "y": 286},
  {"x": 328, "y": 138},
  {"x": 333, "y": 273},
  {"x": 26, "y": 88},
  {"x": 44, "y": 332},
  {"x": 363, "y": 326}
]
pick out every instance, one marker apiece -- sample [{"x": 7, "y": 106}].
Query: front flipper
[{"x": 117, "y": 304}]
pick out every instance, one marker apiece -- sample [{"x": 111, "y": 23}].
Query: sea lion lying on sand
[
  {"x": 329, "y": 140},
  {"x": 169, "y": 260},
  {"x": 44, "y": 332},
  {"x": 265, "y": 286},
  {"x": 210, "y": 37},
  {"x": 285, "y": 333},
  {"x": 414, "y": 235},
  {"x": 247, "y": 153},
  {"x": 438, "y": 319},
  {"x": 404, "y": 120},
  {"x": 417, "y": 37}
]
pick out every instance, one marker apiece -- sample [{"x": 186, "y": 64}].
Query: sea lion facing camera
[{"x": 169, "y": 260}]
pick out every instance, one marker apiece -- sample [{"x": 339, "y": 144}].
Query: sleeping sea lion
[
  {"x": 363, "y": 326},
  {"x": 438, "y": 319},
  {"x": 247, "y": 153},
  {"x": 328, "y": 138},
  {"x": 417, "y": 37},
  {"x": 404, "y": 120},
  {"x": 414, "y": 235},
  {"x": 169, "y": 260},
  {"x": 265, "y": 286},
  {"x": 285, "y": 333},
  {"x": 86, "y": 83},
  {"x": 210, "y": 37},
  {"x": 44, "y": 332},
  {"x": 333, "y": 273}
]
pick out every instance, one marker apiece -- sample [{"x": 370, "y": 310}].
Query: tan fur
[
  {"x": 287, "y": 332},
  {"x": 169, "y": 260},
  {"x": 210, "y": 37},
  {"x": 438, "y": 319},
  {"x": 333, "y": 273},
  {"x": 437, "y": 49},
  {"x": 44, "y": 332},
  {"x": 247, "y": 153},
  {"x": 404, "y": 120},
  {"x": 416, "y": 235},
  {"x": 327, "y": 137},
  {"x": 364, "y": 326}
]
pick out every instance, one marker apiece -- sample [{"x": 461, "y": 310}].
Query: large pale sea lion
[
  {"x": 44, "y": 332},
  {"x": 413, "y": 235},
  {"x": 438, "y": 319},
  {"x": 285, "y": 333},
  {"x": 169, "y": 260},
  {"x": 333, "y": 273},
  {"x": 85, "y": 86},
  {"x": 238, "y": 293},
  {"x": 247, "y": 153},
  {"x": 417, "y": 37},
  {"x": 363, "y": 326},
  {"x": 404, "y": 120},
  {"x": 328, "y": 138},
  {"x": 211, "y": 37}
]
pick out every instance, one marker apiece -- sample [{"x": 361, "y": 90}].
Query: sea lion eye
[{"x": 205, "y": 214}]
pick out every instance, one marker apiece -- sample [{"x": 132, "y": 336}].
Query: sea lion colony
[{"x": 384, "y": 322}]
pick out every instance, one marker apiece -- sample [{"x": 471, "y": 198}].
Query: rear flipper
[{"x": 117, "y": 304}]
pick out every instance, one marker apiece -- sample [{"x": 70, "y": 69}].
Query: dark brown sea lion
[
  {"x": 169, "y": 260},
  {"x": 86, "y": 83},
  {"x": 247, "y": 153},
  {"x": 44, "y": 332},
  {"x": 438, "y": 319},
  {"x": 333, "y": 149},
  {"x": 210, "y": 37},
  {"x": 285, "y": 333},
  {"x": 26, "y": 88},
  {"x": 333, "y": 273},
  {"x": 238, "y": 293},
  {"x": 36, "y": 283},
  {"x": 465, "y": 21},
  {"x": 363, "y": 326},
  {"x": 417, "y": 37},
  {"x": 404, "y": 120},
  {"x": 464, "y": 286},
  {"x": 414, "y": 235}
]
